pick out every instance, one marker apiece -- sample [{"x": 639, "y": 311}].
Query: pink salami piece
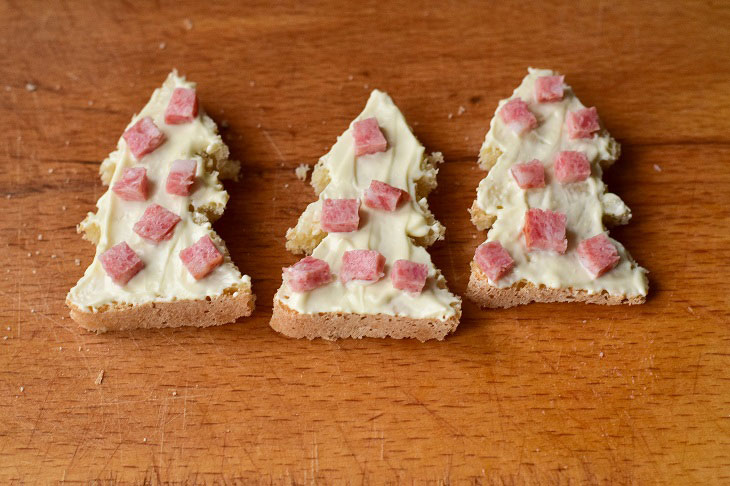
[
  {"x": 201, "y": 258},
  {"x": 157, "y": 224},
  {"x": 143, "y": 137},
  {"x": 181, "y": 177},
  {"x": 517, "y": 116},
  {"x": 549, "y": 88},
  {"x": 133, "y": 184},
  {"x": 582, "y": 123},
  {"x": 340, "y": 215},
  {"x": 183, "y": 107},
  {"x": 545, "y": 230},
  {"x": 384, "y": 196},
  {"x": 529, "y": 175},
  {"x": 121, "y": 263},
  {"x": 307, "y": 274},
  {"x": 598, "y": 255},
  {"x": 368, "y": 137},
  {"x": 571, "y": 167},
  {"x": 494, "y": 260},
  {"x": 409, "y": 276},
  {"x": 362, "y": 265}
]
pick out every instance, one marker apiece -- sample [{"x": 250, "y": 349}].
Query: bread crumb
[
  {"x": 50, "y": 171},
  {"x": 37, "y": 252},
  {"x": 77, "y": 262},
  {"x": 32, "y": 311},
  {"x": 657, "y": 168},
  {"x": 466, "y": 138},
  {"x": 60, "y": 348},
  {"x": 461, "y": 111},
  {"x": 350, "y": 78},
  {"x": 29, "y": 254},
  {"x": 301, "y": 172},
  {"x": 33, "y": 271},
  {"x": 451, "y": 115},
  {"x": 22, "y": 389},
  {"x": 437, "y": 157},
  {"x": 162, "y": 45},
  {"x": 691, "y": 311},
  {"x": 63, "y": 208},
  {"x": 5, "y": 338},
  {"x": 7, "y": 328},
  {"x": 40, "y": 237},
  {"x": 252, "y": 83},
  {"x": 99, "y": 378},
  {"x": 30, "y": 87},
  {"x": 188, "y": 24},
  {"x": 8, "y": 196},
  {"x": 174, "y": 393},
  {"x": 258, "y": 125},
  {"x": 144, "y": 440},
  {"x": 365, "y": 86},
  {"x": 53, "y": 255},
  {"x": 600, "y": 355}
]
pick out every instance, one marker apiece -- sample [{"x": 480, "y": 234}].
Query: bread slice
[
  {"x": 164, "y": 293},
  {"x": 357, "y": 309},
  {"x": 545, "y": 276}
]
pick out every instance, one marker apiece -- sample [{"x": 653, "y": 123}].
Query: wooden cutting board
[{"x": 540, "y": 394}]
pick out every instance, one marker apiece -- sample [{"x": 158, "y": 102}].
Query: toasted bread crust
[
  {"x": 221, "y": 309},
  {"x": 481, "y": 292},
  {"x": 336, "y": 325}
]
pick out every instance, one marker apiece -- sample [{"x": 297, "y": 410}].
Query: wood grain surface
[{"x": 539, "y": 394}]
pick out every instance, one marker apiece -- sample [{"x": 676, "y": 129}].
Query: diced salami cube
[
  {"x": 157, "y": 224},
  {"x": 340, "y": 215},
  {"x": 549, "y": 88},
  {"x": 517, "y": 116},
  {"x": 133, "y": 184},
  {"x": 529, "y": 175},
  {"x": 201, "y": 258},
  {"x": 582, "y": 123},
  {"x": 183, "y": 107},
  {"x": 307, "y": 274},
  {"x": 384, "y": 196},
  {"x": 181, "y": 177},
  {"x": 143, "y": 137},
  {"x": 362, "y": 265},
  {"x": 571, "y": 166},
  {"x": 409, "y": 276},
  {"x": 494, "y": 260},
  {"x": 368, "y": 137},
  {"x": 121, "y": 263},
  {"x": 545, "y": 230},
  {"x": 598, "y": 255}
]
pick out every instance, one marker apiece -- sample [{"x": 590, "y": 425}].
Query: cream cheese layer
[
  {"x": 389, "y": 233},
  {"x": 164, "y": 277},
  {"x": 584, "y": 203}
]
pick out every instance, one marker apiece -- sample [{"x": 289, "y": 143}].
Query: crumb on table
[{"x": 301, "y": 171}]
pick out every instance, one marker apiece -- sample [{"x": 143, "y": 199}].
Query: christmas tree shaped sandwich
[
  {"x": 546, "y": 206},
  {"x": 368, "y": 273},
  {"x": 158, "y": 261}
]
